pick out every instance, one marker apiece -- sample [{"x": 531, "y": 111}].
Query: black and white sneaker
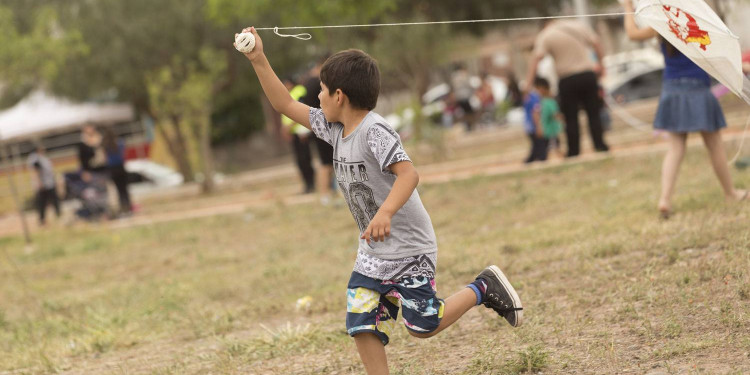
[{"x": 500, "y": 296}]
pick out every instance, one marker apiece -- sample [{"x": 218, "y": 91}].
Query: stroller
[{"x": 91, "y": 194}]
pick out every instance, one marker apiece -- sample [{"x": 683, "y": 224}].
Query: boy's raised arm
[{"x": 280, "y": 99}]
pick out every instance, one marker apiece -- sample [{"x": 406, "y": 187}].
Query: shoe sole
[{"x": 509, "y": 288}]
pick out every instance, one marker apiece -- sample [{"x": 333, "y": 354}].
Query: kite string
[
  {"x": 629, "y": 119},
  {"x": 306, "y": 36},
  {"x": 742, "y": 143},
  {"x": 624, "y": 115},
  {"x": 303, "y": 36}
]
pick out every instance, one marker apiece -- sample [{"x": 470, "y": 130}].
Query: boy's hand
[
  {"x": 258, "y": 49},
  {"x": 379, "y": 228}
]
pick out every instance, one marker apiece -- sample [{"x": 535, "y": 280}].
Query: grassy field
[{"x": 608, "y": 288}]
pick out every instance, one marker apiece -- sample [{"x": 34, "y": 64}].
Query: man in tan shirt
[{"x": 573, "y": 45}]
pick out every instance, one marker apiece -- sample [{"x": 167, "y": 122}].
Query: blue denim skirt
[{"x": 687, "y": 105}]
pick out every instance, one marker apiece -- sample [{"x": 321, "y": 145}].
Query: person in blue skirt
[{"x": 686, "y": 106}]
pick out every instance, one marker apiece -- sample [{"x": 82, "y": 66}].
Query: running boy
[
  {"x": 548, "y": 119},
  {"x": 397, "y": 247}
]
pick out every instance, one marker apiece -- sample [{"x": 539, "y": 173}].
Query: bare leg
[
  {"x": 715, "y": 147},
  {"x": 670, "y": 169},
  {"x": 372, "y": 352},
  {"x": 455, "y": 307}
]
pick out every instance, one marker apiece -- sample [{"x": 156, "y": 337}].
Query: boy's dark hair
[
  {"x": 356, "y": 74},
  {"x": 541, "y": 83}
]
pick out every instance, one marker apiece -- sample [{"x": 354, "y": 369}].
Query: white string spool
[{"x": 244, "y": 42}]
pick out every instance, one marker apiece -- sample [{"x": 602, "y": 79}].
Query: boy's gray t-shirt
[{"x": 361, "y": 162}]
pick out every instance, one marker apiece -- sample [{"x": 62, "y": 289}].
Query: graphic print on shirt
[{"x": 351, "y": 177}]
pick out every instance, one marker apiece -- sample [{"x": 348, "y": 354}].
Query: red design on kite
[{"x": 687, "y": 29}]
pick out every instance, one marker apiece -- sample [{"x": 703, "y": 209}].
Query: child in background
[
  {"x": 397, "y": 248},
  {"x": 45, "y": 182},
  {"x": 530, "y": 104},
  {"x": 547, "y": 119}
]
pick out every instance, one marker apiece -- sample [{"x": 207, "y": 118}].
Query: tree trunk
[
  {"x": 273, "y": 119},
  {"x": 178, "y": 150},
  {"x": 207, "y": 161}
]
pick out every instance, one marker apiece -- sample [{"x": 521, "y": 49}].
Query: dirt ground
[{"x": 621, "y": 294}]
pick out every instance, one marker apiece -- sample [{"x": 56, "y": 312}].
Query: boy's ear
[{"x": 340, "y": 96}]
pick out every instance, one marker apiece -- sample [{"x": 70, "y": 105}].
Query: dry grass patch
[{"x": 608, "y": 288}]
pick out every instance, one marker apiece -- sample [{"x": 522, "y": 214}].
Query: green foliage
[
  {"x": 531, "y": 360},
  {"x": 129, "y": 40},
  {"x": 109, "y": 49},
  {"x": 34, "y": 56},
  {"x": 181, "y": 95},
  {"x": 296, "y": 13}
]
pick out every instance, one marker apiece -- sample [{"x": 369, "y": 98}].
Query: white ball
[{"x": 244, "y": 42}]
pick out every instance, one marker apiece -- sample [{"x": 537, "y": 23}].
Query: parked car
[
  {"x": 642, "y": 84},
  {"x": 633, "y": 75},
  {"x": 145, "y": 175}
]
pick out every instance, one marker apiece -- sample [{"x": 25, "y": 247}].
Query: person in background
[
  {"x": 514, "y": 97},
  {"x": 461, "y": 84},
  {"x": 324, "y": 178},
  {"x": 448, "y": 116},
  {"x": 44, "y": 182},
  {"x": 568, "y": 43},
  {"x": 114, "y": 149},
  {"x": 686, "y": 105},
  {"x": 91, "y": 156},
  {"x": 547, "y": 119},
  {"x": 530, "y": 105},
  {"x": 486, "y": 99},
  {"x": 300, "y": 138}
]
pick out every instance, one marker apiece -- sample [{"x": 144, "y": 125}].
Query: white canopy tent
[{"x": 40, "y": 114}]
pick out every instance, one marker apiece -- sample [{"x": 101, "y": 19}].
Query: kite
[{"x": 696, "y": 31}]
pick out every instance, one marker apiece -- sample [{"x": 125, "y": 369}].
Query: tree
[
  {"x": 153, "y": 54},
  {"x": 181, "y": 94},
  {"x": 407, "y": 55},
  {"x": 150, "y": 53},
  {"x": 290, "y": 57},
  {"x": 34, "y": 48}
]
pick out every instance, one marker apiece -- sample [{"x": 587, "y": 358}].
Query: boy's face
[
  {"x": 543, "y": 91},
  {"x": 329, "y": 103}
]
